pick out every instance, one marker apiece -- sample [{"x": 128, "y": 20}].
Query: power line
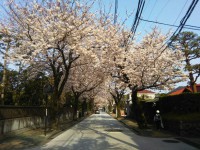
[
  {"x": 145, "y": 8},
  {"x": 166, "y": 24},
  {"x": 152, "y": 8},
  {"x": 137, "y": 16},
  {"x": 151, "y": 12},
  {"x": 180, "y": 12},
  {"x": 192, "y": 26},
  {"x": 184, "y": 20},
  {"x": 180, "y": 27},
  {"x": 160, "y": 12}
]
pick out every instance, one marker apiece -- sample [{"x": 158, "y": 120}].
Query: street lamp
[{"x": 47, "y": 89}]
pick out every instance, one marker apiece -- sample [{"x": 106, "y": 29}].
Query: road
[{"x": 102, "y": 132}]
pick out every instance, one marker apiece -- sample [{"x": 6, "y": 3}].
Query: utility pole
[{"x": 115, "y": 15}]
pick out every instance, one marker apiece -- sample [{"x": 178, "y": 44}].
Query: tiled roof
[
  {"x": 145, "y": 91},
  {"x": 178, "y": 91},
  {"x": 182, "y": 89}
]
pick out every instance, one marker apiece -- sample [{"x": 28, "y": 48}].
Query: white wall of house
[{"x": 147, "y": 95}]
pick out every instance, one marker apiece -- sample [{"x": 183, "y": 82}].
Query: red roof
[
  {"x": 181, "y": 90},
  {"x": 145, "y": 91}
]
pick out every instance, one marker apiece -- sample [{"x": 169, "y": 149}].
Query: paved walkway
[
  {"x": 152, "y": 132},
  {"x": 102, "y": 132},
  {"x": 27, "y": 138}
]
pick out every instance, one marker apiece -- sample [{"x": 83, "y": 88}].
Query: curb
[{"x": 133, "y": 129}]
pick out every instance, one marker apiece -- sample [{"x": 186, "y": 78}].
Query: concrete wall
[{"x": 9, "y": 125}]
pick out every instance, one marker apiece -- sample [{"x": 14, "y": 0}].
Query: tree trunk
[
  {"x": 192, "y": 84},
  {"x": 118, "y": 111},
  {"x": 134, "y": 105},
  {"x": 55, "y": 115},
  {"x": 75, "y": 108},
  {"x": 191, "y": 77},
  {"x": 4, "y": 74},
  {"x": 138, "y": 114}
]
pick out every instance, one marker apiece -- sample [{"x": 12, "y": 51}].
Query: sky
[{"x": 165, "y": 11}]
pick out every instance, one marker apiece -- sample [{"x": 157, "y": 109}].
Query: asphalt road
[{"x": 102, "y": 132}]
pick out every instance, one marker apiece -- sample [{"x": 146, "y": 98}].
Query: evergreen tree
[{"x": 189, "y": 44}]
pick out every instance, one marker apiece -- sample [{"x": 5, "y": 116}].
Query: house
[
  {"x": 183, "y": 89},
  {"x": 146, "y": 94}
]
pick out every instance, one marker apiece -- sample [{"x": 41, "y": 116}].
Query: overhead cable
[
  {"x": 137, "y": 16},
  {"x": 180, "y": 12},
  {"x": 180, "y": 27},
  {"x": 183, "y": 21},
  {"x": 186, "y": 26}
]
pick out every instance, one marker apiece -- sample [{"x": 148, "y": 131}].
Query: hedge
[
  {"x": 180, "y": 104},
  {"x": 9, "y": 112}
]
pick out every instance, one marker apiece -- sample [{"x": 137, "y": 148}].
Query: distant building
[
  {"x": 146, "y": 94},
  {"x": 183, "y": 89}
]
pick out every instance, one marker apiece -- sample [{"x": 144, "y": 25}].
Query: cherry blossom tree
[
  {"x": 52, "y": 35},
  {"x": 84, "y": 78},
  {"x": 147, "y": 65},
  {"x": 117, "y": 90}
]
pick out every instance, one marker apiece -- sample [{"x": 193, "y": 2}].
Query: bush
[
  {"x": 180, "y": 104},
  {"x": 182, "y": 117}
]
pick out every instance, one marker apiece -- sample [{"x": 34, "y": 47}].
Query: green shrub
[
  {"x": 180, "y": 104},
  {"x": 182, "y": 117}
]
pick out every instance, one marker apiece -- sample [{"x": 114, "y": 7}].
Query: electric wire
[
  {"x": 180, "y": 27},
  {"x": 184, "y": 20},
  {"x": 160, "y": 12},
  {"x": 180, "y": 12},
  {"x": 152, "y": 9},
  {"x": 137, "y": 16},
  {"x": 192, "y": 26},
  {"x": 150, "y": 12},
  {"x": 166, "y": 24},
  {"x": 145, "y": 8}
]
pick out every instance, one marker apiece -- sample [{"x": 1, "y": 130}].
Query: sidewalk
[
  {"x": 152, "y": 132},
  {"x": 26, "y": 138}
]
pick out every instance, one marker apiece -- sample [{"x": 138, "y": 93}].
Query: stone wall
[
  {"x": 9, "y": 125},
  {"x": 18, "y": 117}
]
